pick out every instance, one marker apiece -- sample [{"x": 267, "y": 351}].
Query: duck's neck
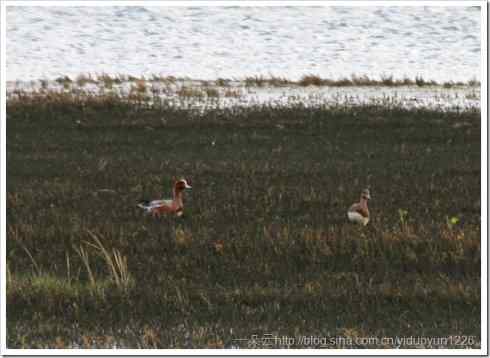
[
  {"x": 364, "y": 203},
  {"x": 178, "y": 202}
]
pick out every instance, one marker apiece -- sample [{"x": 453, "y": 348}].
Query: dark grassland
[{"x": 264, "y": 247}]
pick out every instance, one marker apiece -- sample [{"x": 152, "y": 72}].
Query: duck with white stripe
[
  {"x": 167, "y": 206},
  {"x": 359, "y": 212}
]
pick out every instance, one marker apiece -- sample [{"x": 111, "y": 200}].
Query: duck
[
  {"x": 167, "y": 206},
  {"x": 359, "y": 212}
]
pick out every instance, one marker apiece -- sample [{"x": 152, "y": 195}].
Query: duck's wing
[
  {"x": 148, "y": 205},
  {"x": 158, "y": 203}
]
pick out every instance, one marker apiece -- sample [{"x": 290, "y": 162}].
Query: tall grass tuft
[{"x": 115, "y": 262}]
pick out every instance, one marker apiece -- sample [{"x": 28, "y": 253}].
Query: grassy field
[{"x": 264, "y": 247}]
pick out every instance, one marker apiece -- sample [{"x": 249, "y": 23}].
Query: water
[{"x": 437, "y": 43}]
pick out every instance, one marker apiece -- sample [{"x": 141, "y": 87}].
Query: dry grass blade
[
  {"x": 122, "y": 267},
  {"x": 34, "y": 264},
  {"x": 85, "y": 259},
  {"x": 68, "y": 267},
  {"x": 8, "y": 274}
]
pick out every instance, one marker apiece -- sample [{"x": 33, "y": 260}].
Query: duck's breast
[{"x": 357, "y": 218}]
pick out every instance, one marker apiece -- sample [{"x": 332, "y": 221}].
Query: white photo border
[{"x": 250, "y": 352}]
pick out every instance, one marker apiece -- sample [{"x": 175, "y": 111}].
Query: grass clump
[
  {"x": 420, "y": 81},
  {"x": 110, "y": 81},
  {"x": 255, "y": 81},
  {"x": 211, "y": 92},
  {"x": 311, "y": 80},
  {"x": 222, "y": 82},
  {"x": 190, "y": 92},
  {"x": 65, "y": 81},
  {"x": 116, "y": 263}
]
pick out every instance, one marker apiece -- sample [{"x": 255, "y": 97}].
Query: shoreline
[
  {"x": 311, "y": 91},
  {"x": 257, "y": 80}
]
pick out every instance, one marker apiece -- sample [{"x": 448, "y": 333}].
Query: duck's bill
[
  {"x": 366, "y": 194},
  {"x": 186, "y": 185}
]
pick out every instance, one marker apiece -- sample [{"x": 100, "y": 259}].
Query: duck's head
[
  {"x": 181, "y": 185},
  {"x": 365, "y": 194}
]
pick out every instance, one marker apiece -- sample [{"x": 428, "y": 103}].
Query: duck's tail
[{"x": 144, "y": 204}]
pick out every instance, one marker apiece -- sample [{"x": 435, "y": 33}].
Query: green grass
[{"x": 264, "y": 246}]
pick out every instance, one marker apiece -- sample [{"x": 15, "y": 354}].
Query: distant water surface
[{"x": 437, "y": 43}]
